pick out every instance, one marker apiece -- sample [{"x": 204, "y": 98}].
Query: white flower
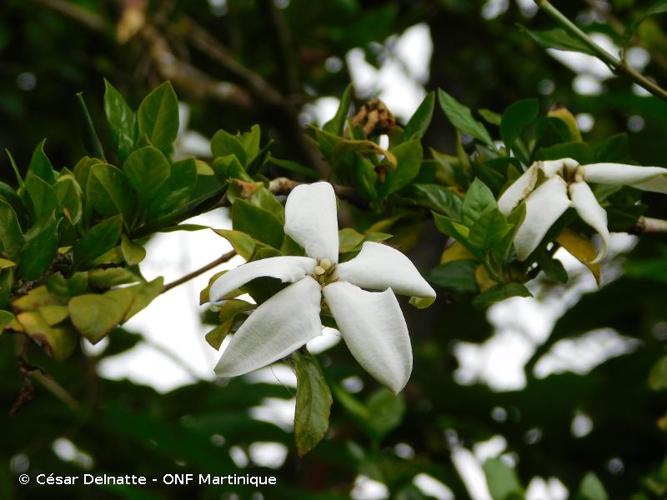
[
  {"x": 371, "y": 323},
  {"x": 549, "y": 188}
]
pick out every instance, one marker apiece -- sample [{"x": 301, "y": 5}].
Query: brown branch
[
  {"x": 220, "y": 260},
  {"x": 83, "y": 16},
  {"x": 649, "y": 225},
  {"x": 189, "y": 78},
  {"x": 284, "y": 185}
]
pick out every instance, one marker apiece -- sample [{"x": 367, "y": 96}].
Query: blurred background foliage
[{"x": 240, "y": 62}]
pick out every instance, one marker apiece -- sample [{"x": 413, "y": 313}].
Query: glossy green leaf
[
  {"x": 488, "y": 229},
  {"x": 385, "y": 412},
  {"x": 458, "y": 275},
  {"x": 11, "y": 236},
  {"x": 43, "y": 199},
  {"x": 228, "y": 314},
  {"x": 558, "y": 38},
  {"x": 146, "y": 169},
  {"x": 439, "y": 199},
  {"x": 313, "y": 403},
  {"x": 121, "y": 119},
  {"x": 39, "y": 250},
  {"x": 478, "y": 200},
  {"x": 499, "y": 293},
  {"x": 260, "y": 224},
  {"x": 157, "y": 117},
  {"x": 517, "y": 117},
  {"x": 337, "y": 124},
  {"x": 408, "y": 157},
  {"x": 40, "y": 165},
  {"x": 461, "y": 117},
  {"x": 98, "y": 240},
  {"x": 133, "y": 253},
  {"x": 224, "y": 144},
  {"x": 420, "y": 120},
  {"x": 69, "y": 197},
  {"x": 176, "y": 191},
  {"x": 109, "y": 192}
]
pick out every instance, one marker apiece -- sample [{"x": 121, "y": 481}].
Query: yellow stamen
[{"x": 319, "y": 270}]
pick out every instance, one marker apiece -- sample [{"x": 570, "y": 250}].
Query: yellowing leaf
[
  {"x": 58, "y": 342},
  {"x": 482, "y": 278},
  {"x": 455, "y": 251},
  {"x": 53, "y": 314},
  {"x": 34, "y": 299},
  {"x": 95, "y": 315},
  {"x": 580, "y": 248}
]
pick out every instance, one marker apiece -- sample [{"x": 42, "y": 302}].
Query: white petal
[
  {"x": 311, "y": 219},
  {"x": 275, "y": 329},
  {"x": 378, "y": 267},
  {"x": 543, "y": 207},
  {"x": 286, "y": 269},
  {"x": 646, "y": 178},
  {"x": 553, "y": 167},
  {"x": 588, "y": 208},
  {"x": 518, "y": 190},
  {"x": 374, "y": 330}
]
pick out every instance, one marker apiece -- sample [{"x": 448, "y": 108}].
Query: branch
[
  {"x": 56, "y": 389},
  {"x": 189, "y": 78},
  {"x": 649, "y": 225},
  {"x": 220, "y": 260},
  {"x": 284, "y": 185},
  {"x": 83, "y": 16},
  {"x": 614, "y": 62}
]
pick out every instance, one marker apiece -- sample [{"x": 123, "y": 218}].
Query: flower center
[{"x": 324, "y": 272}]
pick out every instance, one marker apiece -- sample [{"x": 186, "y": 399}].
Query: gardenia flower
[
  {"x": 371, "y": 323},
  {"x": 549, "y": 188}
]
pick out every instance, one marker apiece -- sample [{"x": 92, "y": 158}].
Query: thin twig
[
  {"x": 284, "y": 185},
  {"x": 79, "y": 14},
  {"x": 649, "y": 225},
  {"x": 56, "y": 389},
  {"x": 220, "y": 260},
  {"x": 612, "y": 61}
]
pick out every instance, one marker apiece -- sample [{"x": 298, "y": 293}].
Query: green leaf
[
  {"x": 95, "y": 315},
  {"x": 65, "y": 288},
  {"x": 337, "y": 124},
  {"x": 98, "y": 240},
  {"x": 227, "y": 315},
  {"x": 122, "y": 121},
  {"x": 58, "y": 342},
  {"x": 6, "y": 284},
  {"x": 250, "y": 141},
  {"x": 40, "y": 165},
  {"x": 313, "y": 403},
  {"x": 490, "y": 117},
  {"x": 489, "y": 229},
  {"x": 439, "y": 199},
  {"x": 39, "y": 250},
  {"x": 591, "y": 488},
  {"x": 502, "y": 480},
  {"x": 243, "y": 243},
  {"x": 224, "y": 144},
  {"x": 657, "y": 379},
  {"x": 109, "y": 192},
  {"x": 560, "y": 39},
  {"x": 112, "y": 276},
  {"x": 260, "y": 224},
  {"x": 6, "y": 317},
  {"x": 458, "y": 275},
  {"x": 577, "y": 150},
  {"x": 11, "y": 237},
  {"x": 157, "y": 117},
  {"x": 385, "y": 412},
  {"x": 461, "y": 117},
  {"x": 478, "y": 200},
  {"x": 68, "y": 195},
  {"x": 146, "y": 169},
  {"x": 408, "y": 157},
  {"x": 420, "y": 120},
  {"x": 500, "y": 292},
  {"x": 454, "y": 230},
  {"x": 90, "y": 139},
  {"x": 516, "y": 118},
  {"x": 133, "y": 253},
  {"x": 43, "y": 199},
  {"x": 142, "y": 295},
  {"x": 175, "y": 191}
]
